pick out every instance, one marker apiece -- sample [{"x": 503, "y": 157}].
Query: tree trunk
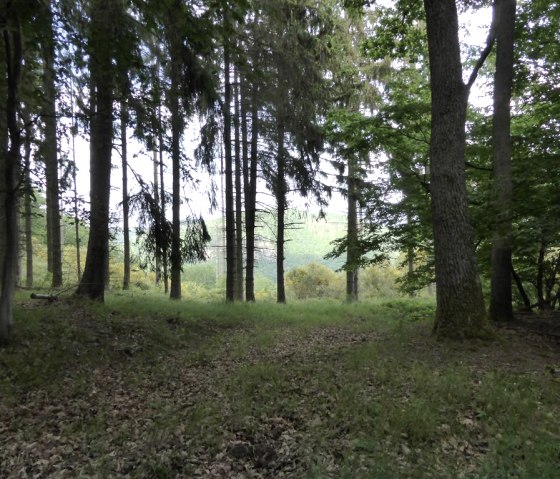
[
  {"x": 521, "y": 289},
  {"x": 281, "y": 189},
  {"x": 238, "y": 200},
  {"x": 158, "y": 251},
  {"x": 250, "y": 179},
  {"x": 230, "y": 214},
  {"x": 460, "y": 305},
  {"x": 92, "y": 283},
  {"x": 162, "y": 202},
  {"x": 176, "y": 131},
  {"x": 352, "y": 252},
  {"x": 126, "y": 212},
  {"x": 12, "y": 43},
  {"x": 27, "y": 204},
  {"x": 51, "y": 154},
  {"x": 540, "y": 275},
  {"x": 501, "y": 289}
]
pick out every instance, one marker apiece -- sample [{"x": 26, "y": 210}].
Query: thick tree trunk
[
  {"x": 12, "y": 45},
  {"x": 501, "y": 288},
  {"x": 352, "y": 253},
  {"x": 176, "y": 131},
  {"x": 51, "y": 155},
  {"x": 460, "y": 305},
  {"x": 280, "y": 190},
  {"x": 92, "y": 283},
  {"x": 238, "y": 201},
  {"x": 126, "y": 209},
  {"x": 250, "y": 179},
  {"x": 230, "y": 214}
]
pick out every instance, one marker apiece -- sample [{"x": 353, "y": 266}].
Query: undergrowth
[{"x": 146, "y": 387}]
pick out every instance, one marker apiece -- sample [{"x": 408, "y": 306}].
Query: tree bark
[
  {"x": 126, "y": 209},
  {"x": 250, "y": 179},
  {"x": 92, "y": 284},
  {"x": 13, "y": 56},
  {"x": 158, "y": 252},
  {"x": 27, "y": 203},
  {"x": 460, "y": 305},
  {"x": 176, "y": 131},
  {"x": 51, "y": 154},
  {"x": 162, "y": 202},
  {"x": 501, "y": 308},
  {"x": 521, "y": 289},
  {"x": 281, "y": 189},
  {"x": 540, "y": 275},
  {"x": 238, "y": 199},
  {"x": 352, "y": 253},
  {"x": 230, "y": 214}
]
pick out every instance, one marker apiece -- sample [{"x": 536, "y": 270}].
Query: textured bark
[
  {"x": 126, "y": 212},
  {"x": 51, "y": 155},
  {"x": 176, "y": 131},
  {"x": 280, "y": 193},
  {"x": 501, "y": 288},
  {"x": 238, "y": 201},
  {"x": 460, "y": 305},
  {"x": 230, "y": 214},
  {"x": 352, "y": 251},
  {"x": 92, "y": 284},
  {"x": 251, "y": 198},
  {"x": 12, "y": 44}
]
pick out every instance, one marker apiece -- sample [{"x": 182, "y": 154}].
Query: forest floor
[{"x": 145, "y": 388}]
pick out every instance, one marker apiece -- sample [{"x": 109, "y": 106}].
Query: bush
[{"x": 315, "y": 281}]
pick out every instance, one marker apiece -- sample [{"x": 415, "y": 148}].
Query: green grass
[{"x": 154, "y": 388}]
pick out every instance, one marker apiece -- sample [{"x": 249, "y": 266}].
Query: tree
[
  {"x": 102, "y": 28},
  {"x": 460, "y": 309},
  {"x": 11, "y": 161},
  {"x": 50, "y": 149},
  {"x": 501, "y": 292}
]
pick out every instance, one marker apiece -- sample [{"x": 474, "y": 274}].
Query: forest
[{"x": 319, "y": 238}]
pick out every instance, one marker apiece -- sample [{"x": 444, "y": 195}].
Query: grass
[{"x": 157, "y": 389}]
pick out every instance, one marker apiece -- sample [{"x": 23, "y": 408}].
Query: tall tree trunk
[
  {"x": 162, "y": 203},
  {"x": 11, "y": 36},
  {"x": 27, "y": 203},
  {"x": 157, "y": 202},
  {"x": 352, "y": 252},
  {"x": 460, "y": 305},
  {"x": 126, "y": 209},
  {"x": 92, "y": 283},
  {"x": 250, "y": 179},
  {"x": 501, "y": 289},
  {"x": 176, "y": 131},
  {"x": 280, "y": 190},
  {"x": 230, "y": 214},
  {"x": 51, "y": 154},
  {"x": 74, "y": 132},
  {"x": 238, "y": 200}
]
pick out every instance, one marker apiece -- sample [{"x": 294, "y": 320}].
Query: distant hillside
[{"x": 308, "y": 240}]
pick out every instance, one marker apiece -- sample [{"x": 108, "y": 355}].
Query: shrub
[{"x": 314, "y": 281}]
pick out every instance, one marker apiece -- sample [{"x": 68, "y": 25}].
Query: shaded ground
[{"x": 170, "y": 396}]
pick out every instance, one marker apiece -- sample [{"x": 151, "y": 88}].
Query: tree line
[{"x": 466, "y": 193}]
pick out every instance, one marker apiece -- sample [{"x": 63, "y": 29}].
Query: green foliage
[{"x": 314, "y": 281}]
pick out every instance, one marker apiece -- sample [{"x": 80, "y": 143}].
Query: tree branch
[{"x": 484, "y": 54}]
